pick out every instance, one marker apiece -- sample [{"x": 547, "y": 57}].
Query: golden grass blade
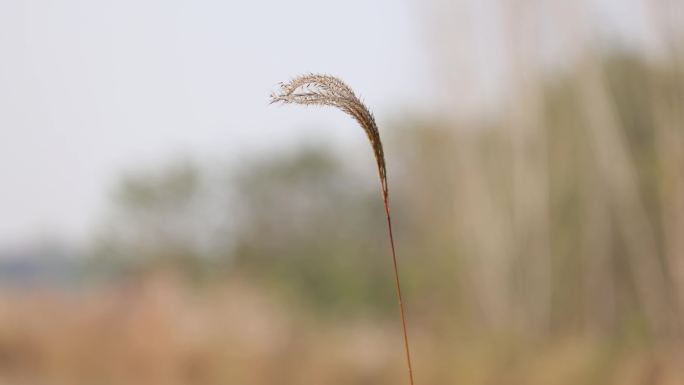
[{"x": 315, "y": 89}]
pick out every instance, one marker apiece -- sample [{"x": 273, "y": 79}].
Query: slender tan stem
[{"x": 398, "y": 286}]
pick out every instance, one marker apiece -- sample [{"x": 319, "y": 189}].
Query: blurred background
[{"x": 160, "y": 223}]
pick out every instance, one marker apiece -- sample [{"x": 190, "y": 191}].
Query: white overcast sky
[{"x": 92, "y": 88}]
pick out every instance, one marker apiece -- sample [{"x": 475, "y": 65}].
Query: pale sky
[{"x": 90, "y": 89}]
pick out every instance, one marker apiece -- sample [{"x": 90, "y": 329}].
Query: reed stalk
[{"x": 316, "y": 89}]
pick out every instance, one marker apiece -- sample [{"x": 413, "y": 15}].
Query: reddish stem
[{"x": 398, "y": 286}]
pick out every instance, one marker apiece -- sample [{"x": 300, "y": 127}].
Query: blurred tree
[
  {"x": 315, "y": 228},
  {"x": 167, "y": 218}
]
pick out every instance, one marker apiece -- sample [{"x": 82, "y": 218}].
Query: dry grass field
[{"x": 159, "y": 330}]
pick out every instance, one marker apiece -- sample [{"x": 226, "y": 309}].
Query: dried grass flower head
[{"x": 326, "y": 90}]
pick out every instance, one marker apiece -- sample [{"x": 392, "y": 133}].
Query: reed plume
[{"x": 326, "y": 90}]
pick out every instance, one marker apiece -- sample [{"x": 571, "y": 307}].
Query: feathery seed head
[{"x": 326, "y": 90}]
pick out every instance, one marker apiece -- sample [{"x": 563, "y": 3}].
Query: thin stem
[{"x": 398, "y": 285}]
